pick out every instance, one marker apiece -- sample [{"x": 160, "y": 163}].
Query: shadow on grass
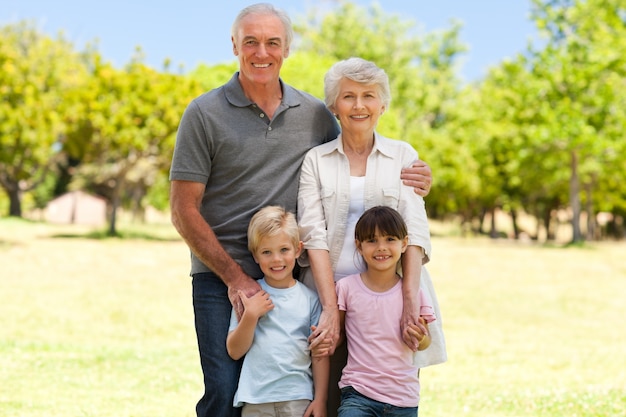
[
  {"x": 569, "y": 245},
  {"x": 7, "y": 244},
  {"x": 122, "y": 235},
  {"x": 14, "y": 230}
]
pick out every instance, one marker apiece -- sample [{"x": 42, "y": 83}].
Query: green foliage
[
  {"x": 124, "y": 134},
  {"x": 158, "y": 195},
  {"x": 420, "y": 68},
  {"x": 582, "y": 71},
  {"x": 36, "y": 72},
  {"x": 550, "y": 123},
  {"x": 305, "y": 70},
  {"x": 542, "y": 133},
  {"x": 210, "y": 77},
  {"x": 44, "y": 191}
]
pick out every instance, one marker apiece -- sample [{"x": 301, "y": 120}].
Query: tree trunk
[
  {"x": 115, "y": 203},
  {"x": 591, "y": 215},
  {"x": 494, "y": 233},
  {"x": 547, "y": 222},
  {"x": 113, "y": 219},
  {"x": 514, "y": 221},
  {"x": 481, "y": 221},
  {"x": 538, "y": 225},
  {"x": 15, "y": 203},
  {"x": 574, "y": 198}
]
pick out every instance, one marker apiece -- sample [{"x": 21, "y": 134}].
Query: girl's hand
[
  {"x": 323, "y": 344},
  {"x": 327, "y": 328}
]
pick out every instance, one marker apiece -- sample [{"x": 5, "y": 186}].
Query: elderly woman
[{"x": 339, "y": 181}]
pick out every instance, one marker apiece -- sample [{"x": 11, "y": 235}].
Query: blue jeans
[
  {"x": 354, "y": 404},
  {"x": 212, "y": 310}
]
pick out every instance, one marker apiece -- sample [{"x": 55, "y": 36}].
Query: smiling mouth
[{"x": 261, "y": 65}]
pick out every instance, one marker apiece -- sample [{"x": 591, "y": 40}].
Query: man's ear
[{"x": 235, "y": 51}]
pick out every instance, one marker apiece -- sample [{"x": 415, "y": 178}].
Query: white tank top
[{"x": 350, "y": 261}]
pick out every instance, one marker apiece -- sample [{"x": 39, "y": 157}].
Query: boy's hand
[
  {"x": 257, "y": 305},
  {"x": 316, "y": 409}
]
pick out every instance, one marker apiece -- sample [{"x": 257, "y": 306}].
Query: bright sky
[{"x": 190, "y": 32}]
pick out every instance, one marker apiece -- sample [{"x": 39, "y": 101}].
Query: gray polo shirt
[{"x": 246, "y": 160}]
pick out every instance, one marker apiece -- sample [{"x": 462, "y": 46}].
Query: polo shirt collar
[{"x": 235, "y": 95}]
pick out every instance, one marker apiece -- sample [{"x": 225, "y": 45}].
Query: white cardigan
[
  {"x": 323, "y": 202},
  {"x": 324, "y": 194}
]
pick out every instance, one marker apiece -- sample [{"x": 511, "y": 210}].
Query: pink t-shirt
[{"x": 380, "y": 365}]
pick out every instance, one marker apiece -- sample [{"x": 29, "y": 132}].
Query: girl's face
[
  {"x": 358, "y": 106},
  {"x": 382, "y": 252},
  {"x": 276, "y": 256}
]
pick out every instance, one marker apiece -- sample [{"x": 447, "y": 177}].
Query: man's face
[{"x": 260, "y": 45}]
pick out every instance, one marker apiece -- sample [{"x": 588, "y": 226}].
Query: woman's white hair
[{"x": 360, "y": 71}]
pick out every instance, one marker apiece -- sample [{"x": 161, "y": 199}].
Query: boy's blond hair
[{"x": 270, "y": 221}]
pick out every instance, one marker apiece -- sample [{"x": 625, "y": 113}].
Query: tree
[
  {"x": 581, "y": 111},
  {"x": 36, "y": 71},
  {"x": 210, "y": 77},
  {"x": 124, "y": 131}
]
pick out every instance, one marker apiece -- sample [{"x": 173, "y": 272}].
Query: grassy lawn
[{"x": 104, "y": 327}]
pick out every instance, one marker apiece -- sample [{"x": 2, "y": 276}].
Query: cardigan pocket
[{"x": 391, "y": 197}]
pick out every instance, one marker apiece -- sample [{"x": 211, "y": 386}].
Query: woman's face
[{"x": 358, "y": 106}]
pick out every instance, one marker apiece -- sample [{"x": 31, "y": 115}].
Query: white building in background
[{"x": 76, "y": 207}]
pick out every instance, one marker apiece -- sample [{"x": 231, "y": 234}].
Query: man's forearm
[{"x": 204, "y": 244}]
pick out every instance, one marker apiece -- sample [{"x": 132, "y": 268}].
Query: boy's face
[{"x": 276, "y": 256}]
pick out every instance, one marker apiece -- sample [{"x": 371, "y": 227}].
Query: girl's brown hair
[{"x": 387, "y": 220}]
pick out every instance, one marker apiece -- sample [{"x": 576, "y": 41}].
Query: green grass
[
  {"x": 531, "y": 331},
  {"x": 94, "y": 326}
]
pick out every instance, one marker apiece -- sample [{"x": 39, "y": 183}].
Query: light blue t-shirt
[{"x": 278, "y": 365}]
